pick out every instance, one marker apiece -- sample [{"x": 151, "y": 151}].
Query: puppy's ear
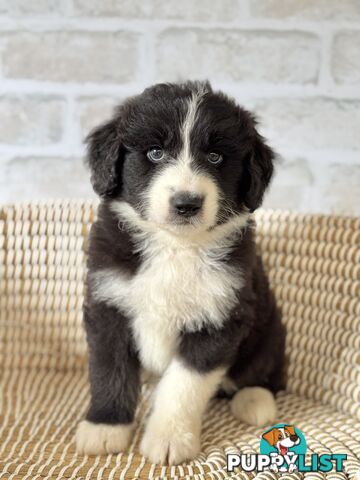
[
  {"x": 258, "y": 172},
  {"x": 290, "y": 429},
  {"x": 104, "y": 158},
  {"x": 270, "y": 437}
]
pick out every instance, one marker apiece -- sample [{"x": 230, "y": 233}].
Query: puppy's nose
[
  {"x": 293, "y": 438},
  {"x": 186, "y": 204}
]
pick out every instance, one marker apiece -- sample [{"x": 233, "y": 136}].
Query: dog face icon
[{"x": 282, "y": 438}]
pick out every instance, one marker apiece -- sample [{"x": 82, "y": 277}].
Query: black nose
[
  {"x": 186, "y": 204},
  {"x": 293, "y": 438}
]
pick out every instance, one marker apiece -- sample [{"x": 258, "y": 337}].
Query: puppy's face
[
  {"x": 282, "y": 438},
  {"x": 184, "y": 157}
]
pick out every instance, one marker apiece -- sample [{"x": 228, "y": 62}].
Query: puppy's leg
[
  {"x": 173, "y": 430},
  {"x": 174, "y": 427},
  {"x": 255, "y": 406},
  {"x": 261, "y": 371},
  {"x": 114, "y": 382}
]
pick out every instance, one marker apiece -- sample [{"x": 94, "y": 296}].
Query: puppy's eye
[
  {"x": 280, "y": 436},
  {"x": 155, "y": 154},
  {"x": 215, "y": 158}
]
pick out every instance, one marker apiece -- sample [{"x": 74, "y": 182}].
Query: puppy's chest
[{"x": 177, "y": 290}]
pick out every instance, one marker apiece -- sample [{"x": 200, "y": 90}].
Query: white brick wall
[{"x": 65, "y": 64}]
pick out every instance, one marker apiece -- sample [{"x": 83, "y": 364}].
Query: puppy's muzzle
[{"x": 186, "y": 204}]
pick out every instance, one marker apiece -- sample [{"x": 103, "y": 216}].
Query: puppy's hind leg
[{"x": 254, "y": 406}]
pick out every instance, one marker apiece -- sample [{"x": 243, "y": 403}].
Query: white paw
[
  {"x": 100, "y": 439},
  {"x": 255, "y": 406},
  {"x": 167, "y": 442}
]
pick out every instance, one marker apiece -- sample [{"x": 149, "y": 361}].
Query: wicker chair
[{"x": 314, "y": 266}]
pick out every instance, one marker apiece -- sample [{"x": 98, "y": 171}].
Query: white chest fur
[{"x": 177, "y": 288}]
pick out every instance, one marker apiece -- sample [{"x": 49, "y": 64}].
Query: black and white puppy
[{"x": 174, "y": 284}]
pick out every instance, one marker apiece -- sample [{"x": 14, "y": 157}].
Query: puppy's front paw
[
  {"x": 255, "y": 406},
  {"x": 100, "y": 439},
  {"x": 169, "y": 442}
]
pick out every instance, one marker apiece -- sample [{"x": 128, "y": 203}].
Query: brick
[
  {"x": 315, "y": 185},
  {"x": 71, "y": 57},
  {"x": 33, "y": 7},
  {"x": 199, "y": 10},
  {"x": 290, "y": 186},
  {"x": 31, "y": 120},
  {"x": 307, "y": 9},
  {"x": 125, "y": 8},
  {"x": 346, "y": 58},
  {"x": 340, "y": 189},
  {"x": 32, "y": 178},
  {"x": 189, "y": 10},
  {"x": 318, "y": 122},
  {"x": 91, "y": 112},
  {"x": 232, "y": 55}
]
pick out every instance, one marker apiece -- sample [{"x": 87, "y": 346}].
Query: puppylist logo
[{"x": 283, "y": 449}]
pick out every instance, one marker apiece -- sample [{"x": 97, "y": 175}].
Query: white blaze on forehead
[
  {"x": 182, "y": 175},
  {"x": 192, "y": 110}
]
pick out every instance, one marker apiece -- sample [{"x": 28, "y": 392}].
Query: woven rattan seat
[{"x": 314, "y": 267}]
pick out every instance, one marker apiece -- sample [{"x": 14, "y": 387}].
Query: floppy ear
[
  {"x": 290, "y": 429},
  {"x": 103, "y": 158},
  {"x": 270, "y": 437},
  {"x": 258, "y": 172}
]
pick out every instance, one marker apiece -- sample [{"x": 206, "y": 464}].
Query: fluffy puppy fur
[{"x": 174, "y": 284}]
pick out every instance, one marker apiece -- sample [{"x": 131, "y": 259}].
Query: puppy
[
  {"x": 174, "y": 284},
  {"x": 282, "y": 438}
]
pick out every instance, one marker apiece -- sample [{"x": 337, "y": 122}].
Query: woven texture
[{"x": 314, "y": 267}]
